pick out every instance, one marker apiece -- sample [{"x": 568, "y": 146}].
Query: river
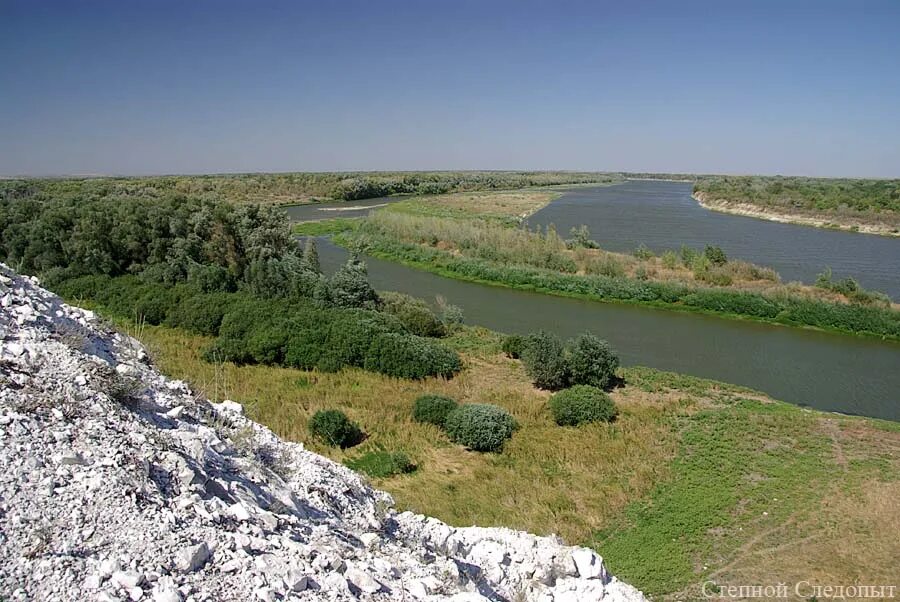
[
  {"x": 662, "y": 215},
  {"x": 822, "y": 370}
]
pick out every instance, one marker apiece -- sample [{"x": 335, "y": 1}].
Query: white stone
[
  {"x": 175, "y": 412},
  {"x": 166, "y": 594},
  {"x": 127, "y": 579},
  {"x": 363, "y": 580},
  {"x": 589, "y": 565},
  {"x": 238, "y": 511},
  {"x": 192, "y": 558}
]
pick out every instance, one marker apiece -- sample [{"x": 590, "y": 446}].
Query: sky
[{"x": 153, "y": 86}]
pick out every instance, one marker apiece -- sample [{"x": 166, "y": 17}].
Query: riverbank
[
  {"x": 745, "y": 306},
  {"x": 849, "y": 224},
  {"x": 477, "y": 237},
  {"x": 696, "y": 480}
]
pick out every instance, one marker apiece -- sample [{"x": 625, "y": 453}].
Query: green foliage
[
  {"x": 669, "y": 259},
  {"x": 851, "y": 289},
  {"x": 715, "y": 255},
  {"x": 581, "y": 238},
  {"x": 581, "y": 404},
  {"x": 410, "y": 356},
  {"x": 480, "y": 426},
  {"x": 349, "y": 339},
  {"x": 513, "y": 346},
  {"x": 414, "y": 313},
  {"x": 381, "y": 464},
  {"x": 311, "y": 256},
  {"x": 821, "y": 195},
  {"x": 211, "y": 278},
  {"x": 333, "y": 428},
  {"x": 451, "y": 315},
  {"x": 545, "y": 361},
  {"x": 349, "y": 286},
  {"x": 592, "y": 361},
  {"x": 643, "y": 252},
  {"x": 433, "y": 409},
  {"x": 202, "y": 313}
]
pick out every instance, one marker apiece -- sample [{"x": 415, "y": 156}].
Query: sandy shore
[{"x": 749, "y": 210}]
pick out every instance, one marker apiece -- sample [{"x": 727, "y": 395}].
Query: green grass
[
  {"x": 381, "y": 464},
  {"x": 733, "y": 463}
]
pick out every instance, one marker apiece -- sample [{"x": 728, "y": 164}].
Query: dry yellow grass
[{"x": 547, "y": 479}]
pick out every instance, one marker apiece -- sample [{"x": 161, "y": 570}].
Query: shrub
[
  {"x": 480, "y": 426},
  {"x": 414, "y": 313},
  {"x": 202, "y": 314},
  {"x": 513, "y": 346},
  {"x": 670, "y": 260},
  {"x": 643, "y": 252},
  {"x": 211, "y": 279},
  {"x": 715, "y": 255},
  {"x": 592, "y": 361},
  {"x": 153, "y": 306},
  {"x": 349, "y": 339},
  {"x": 451, "y": 315},
  {"x": 266, "y": 345},
  {"x": 581, "y": 404},
  {"x": 349, "y": 286},
  {"x": 333, "y": 428},
  {"x": 304, "y": 347},
  {"x": 381, "y": 464},
  {"x": 433, "y": 409},
  {"x": 545, "y": 361},
  {"x": 409, "y": 356}
]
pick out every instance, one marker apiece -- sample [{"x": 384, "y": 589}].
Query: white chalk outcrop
[{"x": 119, "y": 484}]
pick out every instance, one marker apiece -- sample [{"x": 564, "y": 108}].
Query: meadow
[{"x": 695, "y": 480}]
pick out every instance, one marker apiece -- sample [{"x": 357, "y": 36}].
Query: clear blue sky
[{"x": 140, "y": 86}]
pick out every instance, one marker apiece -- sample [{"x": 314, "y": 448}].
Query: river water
[
  {"x": 821, "y": 370},
  {"x": 662, "y": 215}
]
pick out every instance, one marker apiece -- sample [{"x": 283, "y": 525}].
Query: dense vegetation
[
  {"x": 819, "y": 194},
  {"x": 234, "y": 272},
  {"x": 285, "y": 188},
  {"x": 584, "y": 360}
]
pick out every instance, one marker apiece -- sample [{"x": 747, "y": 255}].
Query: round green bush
[
  {"x": 414, "y": 313},
  {"x": 592, "y": 361},
  {"x": 480, "y": 426},
  {"x": 409, "y": 356},
  {"x": 545, "y": 362},
  {"x": 433, "y": 409},
  {"x": 513, "y": 346},
  {"x": 333, "y": 428},
  {"x": 581, "y": 404}
]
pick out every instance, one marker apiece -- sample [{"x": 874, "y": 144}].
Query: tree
[
  {"x": 545, "y": 361},
  {"x": 349, "y": 287}
]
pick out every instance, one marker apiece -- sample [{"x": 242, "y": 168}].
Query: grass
[
  {"x": 695, "y": 480},
  {"x": 324, "y": 227}
]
